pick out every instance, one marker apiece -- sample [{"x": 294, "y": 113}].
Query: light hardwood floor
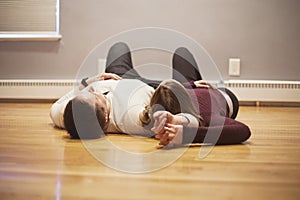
[{"x": 38, "y": 162}]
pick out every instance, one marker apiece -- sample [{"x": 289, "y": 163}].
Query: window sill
[{"x": 29, "y": 37}]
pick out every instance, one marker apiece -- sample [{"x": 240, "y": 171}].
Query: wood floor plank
[{"x": 37, "y": 161}]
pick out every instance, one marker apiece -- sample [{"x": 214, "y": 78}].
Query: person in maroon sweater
[{"x": 212, "y": 110}]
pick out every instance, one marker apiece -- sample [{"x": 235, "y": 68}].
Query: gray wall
[{"x": 265, "y": 34}]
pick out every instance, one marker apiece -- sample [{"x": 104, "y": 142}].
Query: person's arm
[
  {"x": 57, "y": 109},
  {"x": 171, "y": 131},
  {"x": 199, "y": 84},
  {"x": 105, "y": 76},
  {"x": 231, "y": 132},
  {"x": 169, "y": 127},
  {"x": 204, "y": 84}
]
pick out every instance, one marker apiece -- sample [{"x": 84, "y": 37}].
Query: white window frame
[{"x": 42, "y": 36}]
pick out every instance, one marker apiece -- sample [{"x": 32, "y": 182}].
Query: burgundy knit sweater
[{"x": 219, "y": 128}]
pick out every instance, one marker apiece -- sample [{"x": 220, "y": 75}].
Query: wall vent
[
  {"x": 34, "y": 89},
  {"x": 246, "y": 90},
  {"x": 35, "y": 83},
  {"x": 263, "y": 90},
  {"x": 263, "y": 84}
]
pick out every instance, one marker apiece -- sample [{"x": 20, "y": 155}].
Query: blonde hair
[{"x": 170, "y": 96}]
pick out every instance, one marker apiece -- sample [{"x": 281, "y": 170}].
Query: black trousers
[
  {"x": 185, "y": 68},
  {"x": 119, "y": 62}
]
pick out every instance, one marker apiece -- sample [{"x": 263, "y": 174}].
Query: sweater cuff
[
  {"x": 192, "y": 121},
  {"x": 189, "y": 130}
]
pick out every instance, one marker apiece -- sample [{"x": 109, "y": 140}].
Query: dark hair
[
  {"x": 170, "y": 96},
  {"x": 83, "y": 120}
]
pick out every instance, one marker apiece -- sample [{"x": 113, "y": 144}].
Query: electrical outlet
[
  {"x": 234, "y": 66},
  {"x": 101, "y": 65}
]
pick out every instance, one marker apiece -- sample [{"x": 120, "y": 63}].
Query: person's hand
[
  {"x": 172, "y": 135},
  {"x": 203, "y": 84},
  {"x": 113, "y": 76},
  {"x": 103, "y": 76},
  {"x": 161, "y": 118},
  {"x": 168, "y": 127}
]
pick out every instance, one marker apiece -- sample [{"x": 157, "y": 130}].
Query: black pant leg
[
  {"x": 235, "y": 103},
  {"x": 119, "y": 61},
  {"x": 152, "y": 83},
  {"x": 185, "y": 66}
]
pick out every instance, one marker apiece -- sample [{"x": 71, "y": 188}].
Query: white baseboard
[
  {"x": 35, "y": 89},
  {"x": 265, "y": 91},
  {"x": 245, "y": 90}
]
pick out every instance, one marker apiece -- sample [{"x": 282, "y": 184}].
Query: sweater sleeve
[
  {"x": 57, "y": 109},
  {"x": 231, "y": 132}
]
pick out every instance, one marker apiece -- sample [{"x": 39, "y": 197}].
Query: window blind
[{"x": 29, "y": 18}]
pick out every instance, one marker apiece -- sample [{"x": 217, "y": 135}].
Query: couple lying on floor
[{"x": 183, "y": 110}]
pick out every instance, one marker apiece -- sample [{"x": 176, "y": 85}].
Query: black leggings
[{"x": 184, "y": 65}]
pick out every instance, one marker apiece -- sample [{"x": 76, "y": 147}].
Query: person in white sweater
[
  {"x": 109, "y": 102},
  {"x": 88, "y": 112}
]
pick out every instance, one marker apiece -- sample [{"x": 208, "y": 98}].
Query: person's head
[
  {"x": 170, "y": 96},
  {"x": 86, "y": 116}
]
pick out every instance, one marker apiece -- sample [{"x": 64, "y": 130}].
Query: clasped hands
[{"x": 168, "y": 128}]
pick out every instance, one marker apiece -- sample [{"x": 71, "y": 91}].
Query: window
[{"x": 29, "y": 20}]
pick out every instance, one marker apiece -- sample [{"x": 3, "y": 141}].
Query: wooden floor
[{"x": 38, "y": 162}]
